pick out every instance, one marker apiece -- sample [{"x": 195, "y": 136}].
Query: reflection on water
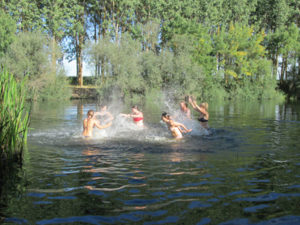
[{"x": 246, "y": 171}]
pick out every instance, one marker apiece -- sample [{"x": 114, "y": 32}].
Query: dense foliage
[
  {"x": 209, "y": 47},
  {"x": 27, "y": 56},
  {"x": 13, "y": 118}
]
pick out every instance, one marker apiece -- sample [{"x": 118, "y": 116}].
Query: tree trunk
[
  {"x": 285, "y": 67},
  {"x": 79, "y": 60},
  {"x": 225, "y": 68},
  {"x": 95, "y": 38},
  {"x": 79, "y": 42},
  {"x": 298, "y": 68},
  {"x": 102, "y": 71},
  {"x": 275, "y": 65},
  {"x": 282, "y": 70},
  {"x": 102, "y": 60},
  {"x": 53, "y": 56},
  {"x": 79, "y": 45}
]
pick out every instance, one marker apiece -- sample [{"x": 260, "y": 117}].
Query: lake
[{"x": 244, "y": 170}]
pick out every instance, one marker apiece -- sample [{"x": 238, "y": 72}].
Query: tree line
[{"x": 207, "y": 47}]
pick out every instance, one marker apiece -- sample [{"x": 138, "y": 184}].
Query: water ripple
[{"x": 122, "y": 218}]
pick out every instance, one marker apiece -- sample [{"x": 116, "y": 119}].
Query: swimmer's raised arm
[
  {"x": 194, "y": 105},
  {"x": 98, "y": 114},
  {"x": 140, "y": 114},
  {"x": 132, "y": 115},
  {"x": 125, "y": 115}
]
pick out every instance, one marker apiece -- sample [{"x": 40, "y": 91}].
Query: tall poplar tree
[
  {"x": 57, "y": 15},
  {"x": 77, "y": 34}
]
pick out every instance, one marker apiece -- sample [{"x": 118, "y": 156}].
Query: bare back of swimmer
[{"x": 90, "y": 122}]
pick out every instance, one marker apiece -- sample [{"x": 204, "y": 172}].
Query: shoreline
[{"x": 84, "y": 92}]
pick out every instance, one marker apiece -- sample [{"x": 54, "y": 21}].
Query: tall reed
[{"x": 14, "y": 120}]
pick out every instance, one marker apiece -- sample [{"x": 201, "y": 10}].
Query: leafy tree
[
  {"x": 7, "y": 31},
  {"x": 283, "y": 42},
  {"x": 56, "y": 18},
  {"x": 238, "y": 49},
  {"x": 225, "y": 40},
  {"x": 270, "y": 15},
  {"x": 28, "y": 57},
  {"x": 176, "y": 15},
  {"x": 25, "y": 12},
  {"x": 77, "y": 34}
]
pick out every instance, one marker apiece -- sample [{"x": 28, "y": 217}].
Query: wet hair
[
  {"x": 166, "y": 115},
  {"x": 204, "y": 105},
  {"x": 186, "y": 105},
  {"x": 90, "y": 112}
]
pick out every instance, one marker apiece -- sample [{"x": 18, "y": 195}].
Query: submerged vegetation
[{"x": 14, "y": 119}]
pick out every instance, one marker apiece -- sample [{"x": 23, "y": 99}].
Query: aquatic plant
[{"x": 14, "y": 121}]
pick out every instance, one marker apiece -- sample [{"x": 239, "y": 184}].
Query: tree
[
  {"x": 238, "y": 50},
  {"x": 56, "y": 17},
  {"x": 270, "y": 15},
  {"x": 7, "y": 31},
  {"x": 77, "y": 34},
  {"x": 28, "y": 57},
  {"x": 26, "y": 13}
]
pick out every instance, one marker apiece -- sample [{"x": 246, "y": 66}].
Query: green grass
[{"x": 14, "y": 121}]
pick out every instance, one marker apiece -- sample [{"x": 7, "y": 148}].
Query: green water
[{"x": 245, "y": 170}]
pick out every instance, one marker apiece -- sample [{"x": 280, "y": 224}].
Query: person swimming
[
  {"x": 176, "y": 128},
  {"x": 90, "y": 122},
  {"x": 136, "y": 115},
  {"x": 104, "y": 113},
  {"x": 202, "y": 109},
  {"x": 185, "y": 111}
]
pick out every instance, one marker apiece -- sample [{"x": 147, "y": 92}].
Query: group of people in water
[{"x": 176, "y": 128}]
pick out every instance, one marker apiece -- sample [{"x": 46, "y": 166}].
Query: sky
[{"x": 70, "y": 68}]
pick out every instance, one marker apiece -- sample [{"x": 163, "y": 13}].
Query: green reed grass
[{"x": 14, "y": 120}]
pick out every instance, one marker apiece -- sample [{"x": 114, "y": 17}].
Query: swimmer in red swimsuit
[{"x": 136, "y": 115}]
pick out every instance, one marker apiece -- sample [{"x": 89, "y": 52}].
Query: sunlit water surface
[{"x": 245, "y": 170}]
